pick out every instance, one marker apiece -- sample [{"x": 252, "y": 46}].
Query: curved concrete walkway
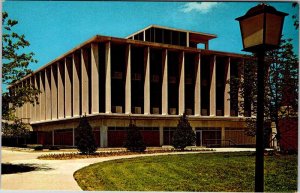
[{"x": 58, "y": 174}]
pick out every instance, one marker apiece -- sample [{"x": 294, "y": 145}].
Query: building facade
[{"x": 151, "y": 77}]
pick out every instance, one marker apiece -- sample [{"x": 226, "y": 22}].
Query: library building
[{"x": 151, "y": 77}]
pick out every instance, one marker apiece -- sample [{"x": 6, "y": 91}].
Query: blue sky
[{"x": 54, "y": 27}]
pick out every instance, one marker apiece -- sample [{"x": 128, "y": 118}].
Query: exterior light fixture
[{"x": 261, "y": 29}]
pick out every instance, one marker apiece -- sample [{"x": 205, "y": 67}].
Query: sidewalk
[{"x": 58, "y": 174}]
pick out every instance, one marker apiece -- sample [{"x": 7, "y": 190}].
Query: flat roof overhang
[
  {"x": 199, "y": 38},
  {"x": 104, "y": 39},
  {"x": 196, "y": 36},
  {"x": 158, "y": 117}
]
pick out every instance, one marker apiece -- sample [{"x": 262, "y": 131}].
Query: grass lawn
[{"x": 191, "y": 172}]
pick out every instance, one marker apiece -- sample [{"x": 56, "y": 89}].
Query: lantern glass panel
[
  {"x": 252, "y": 30},
  {"x": 273, "y": 29}
]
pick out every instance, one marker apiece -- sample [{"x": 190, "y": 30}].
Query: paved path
[{"x": 58, "y": 174}]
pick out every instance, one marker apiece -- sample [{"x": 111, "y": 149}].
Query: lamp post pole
[
  {"x": 259, "y": 160},
  {"x": 261, "y": 29}
]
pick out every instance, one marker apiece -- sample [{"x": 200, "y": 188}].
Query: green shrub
[
  {"x": 134, "y": 141},
  {"x": 38, "y": 148},
  {"x": 84, "y": 139},
  {"x": 23, "y": 145},
  {"x": 184, "y": 134},
  {"x": 53, "y": 148}
]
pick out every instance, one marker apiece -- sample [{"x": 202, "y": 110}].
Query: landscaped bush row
[
  {"x": 39, "y": 147},
  {"x": 66, "y": 156}
]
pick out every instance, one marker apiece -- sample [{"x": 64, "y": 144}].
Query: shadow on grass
[
  {"x": 239, "y": 154},
  {"x": 8, "y": 168}
]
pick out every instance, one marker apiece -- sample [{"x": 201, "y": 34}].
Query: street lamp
[{"x": 261, "y": 29}]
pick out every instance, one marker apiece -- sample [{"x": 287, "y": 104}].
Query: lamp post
[{"x": 261, "y": 29}]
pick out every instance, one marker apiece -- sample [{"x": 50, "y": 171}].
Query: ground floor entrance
[
  {"x": 111, "y": 130},
  {"x": 208, "y": 137},
  {"x": 152, "y": 136}
]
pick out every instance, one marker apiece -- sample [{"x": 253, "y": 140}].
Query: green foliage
[
  {"x": 17, "y": 129},
  {"x": 66, "y": 156},
  {"x": 134, "y": 141},
  {"x": 207, "y": 172},
  {"x": 183, "y": 135},
  {"x": 296, "y": 15},
  {"x": 38, "y": 148},
  {"x": 84, "y": 139},
  {"x": 15, "y": 64},
  {"x": 14, "y": 68},
  {"x": 283, "y": 80},
  {"x": 281, "y": 86}
]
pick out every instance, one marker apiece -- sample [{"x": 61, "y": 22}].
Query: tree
[
  {"x": 84, "y": 139},
  {"x": 16, "y": 130},
  {"x": 183, "y": 135},
  {"x": 295, "y": 16},
  {"x": 281, "y": 87},
  {"x": 14, "y": 68},
  {"x": 282, "y": 83},
  {"x": 134, "y": 141}
]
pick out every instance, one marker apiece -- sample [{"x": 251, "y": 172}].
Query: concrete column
[
  {"x": 213, "y": 86},
  {"x": 20, "y": 111},
  {"x": 24, "y": 110},
  {"x": 95, "y": 77},
  {"x": 197, "y": 90},
  {"x": 68, "y": 88},
  {"x": 274, "y": 132},
  {"x": 54, "y": 92},
  {"x": 24, "y": 106},
  {"x": 187, "y": 39},
  {"x": 108, "y": 77},
  {"x": 164, "y": 100},
  {"x": 76, "y": 84},
  {"x": 28, "y": 104},
  {"x": 60, "y": 90},
  {"x": 206, "y": 45},
  {"x": 227, "y": 89},
  {"x": 42, "y": 96},
  {"x": 48, "y": 93},
  {"x": 32, "y": 106},
  {"x": 161, "y": 135},
  {"x": 128, "y": 80},
  {"x": 13, "y": 89},
  {"x": 103, "y": 135},
  {"x": 37, "y": 107},
  {"x": 147, "y": 81},
  {"x": 181, "y": 107},
  {"x": 240, "y": 97},
  {"x": 73, "y": 136},
  {"x": 10, "y": 104},
  {"x": 17, "y": 109},
  {"x": 84, "y": 83},
  {"x": 53, "y": 137},
  {"x": 223, "y": 142}
]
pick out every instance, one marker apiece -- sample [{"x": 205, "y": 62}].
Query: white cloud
[{"x": 201, "y": 7}]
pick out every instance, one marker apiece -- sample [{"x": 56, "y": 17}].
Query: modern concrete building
[{"x": 153, "y": 76}]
